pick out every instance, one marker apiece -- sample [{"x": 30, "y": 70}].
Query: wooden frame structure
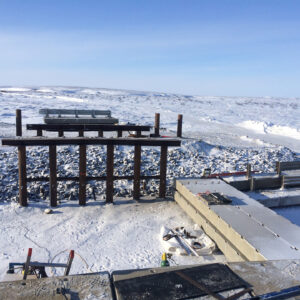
[
  {"x": 81, "y": 128},
  {"x": 83, "y": 142}
]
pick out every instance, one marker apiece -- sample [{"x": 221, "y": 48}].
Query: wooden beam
[
  {"x": 53, "y": 175},
  {"x": 92, "y": 178},
  {"x": 43, "y": 141},
  {"x": 120, "y": 133},
  {"x": 248, "y": 175},
  {"x": 18, "y": 122},
  {"x": 137, "y": 172},
  {"x": 22, "y": 176},
  {"x": 100, "y": 133},
  {"x": 109, "y": 173},
  {"x": 179, "y": 126},
  {"x": 82, "y": 174},
  {"x": 156, "y": 124},
  {"x": 163, "y": 171},
  {"x": 87, "y": 127}
]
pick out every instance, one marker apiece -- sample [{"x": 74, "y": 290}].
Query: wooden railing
[{"x": 83, "y": 142}]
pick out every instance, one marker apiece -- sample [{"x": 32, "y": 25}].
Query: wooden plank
[
  {"x": 43, "y": 141},
  {"x": 87, "y": 127},
  {"x": 22, "y": 176},
  {"x": 287, "y": 166},
  {"x": 109, "y": 173},
  {"x": 163, "y": 171},
  {"x": 75, "y": 112},
  {"x": 92, "y": 178},
  {"x": 137, "y": 172},
  {"x": 156, "y": 124},
  {"x": 53, "y": 175},
  {"x": 179, "y": 126},
  {"x": 82, "y": 174},
  {"x": 243, "y": 185},
  {"x": 18, "y": 122}
]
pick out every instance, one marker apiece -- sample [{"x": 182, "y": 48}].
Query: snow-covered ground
[{"x": 223, "y": 133}]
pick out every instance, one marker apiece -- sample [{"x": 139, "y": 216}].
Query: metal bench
[{"x": 77, "y": 116}]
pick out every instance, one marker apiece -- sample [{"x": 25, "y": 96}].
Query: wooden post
[
  {"x": 100, "y": 133},
  {"x": 39, "y": 132},
  {"x": 81, "y": 133},
  {"x": 120, "y": 132},
  {"x": 138, "y": 133},
  {"x": 282, "y": 181},
  {"x": 53, "y": 175},
  {"x": 137, "y": 172},
  {"x": 179, "y": 126},
  {"x": 82, "y": 174},
  {"x": 18, "y": 122},
  {"x": 163, "y": 171},
  {"x": 22, "y": 176},
  {"x": 278, "y": 167},
  {"x": 248, "y": 171},
  {"x": 252, "y": 184},
  {"x": 156, "y": 125},
  {"x": 60, "y": 133},
  {"x": 109, "y": 173}
]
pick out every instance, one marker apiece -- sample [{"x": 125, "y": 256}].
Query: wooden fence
[{"x": 83, "y": 142}]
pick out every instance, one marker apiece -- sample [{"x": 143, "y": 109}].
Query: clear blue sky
[{"x": 225, "y": 47}]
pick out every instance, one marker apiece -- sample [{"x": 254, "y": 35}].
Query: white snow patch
[
  {"x": 15, "y": 89},
  {"x": 265, "y": 127},
  {"x": 70, "y": 99}
]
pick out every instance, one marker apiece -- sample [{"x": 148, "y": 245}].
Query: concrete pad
[{"x": 94, "y": 286}]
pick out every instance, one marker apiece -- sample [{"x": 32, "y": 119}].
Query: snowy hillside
[{"x": 222, "y": 133}]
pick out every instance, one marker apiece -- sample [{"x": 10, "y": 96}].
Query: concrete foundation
[{"x": 244, "y": 230}]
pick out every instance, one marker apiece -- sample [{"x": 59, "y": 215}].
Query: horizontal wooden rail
[
  {"x": 40, "y": 141},
  {"x": 82, "y": 142},
  {"x": 287, "y": 166},
  {"x": 91, "y": 178},
  {"x": 87, "y": 127}
]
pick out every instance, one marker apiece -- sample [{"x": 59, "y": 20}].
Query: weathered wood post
[
  {"x": 18, "y": 122},
  {"x": 179, "y": 126},
  {"x": 100, "y": 133},
  {"x": 120, "y": 133},
  {"x": 163, "y": 171},
  {"x": 22, "y": 175},
  {"x": 248, "y": 175},
  {"x": 81, "y": 133},
  {"x": 60, "y": 133},
  {"x": 82, "y": 174},
  {"x": 157, "y": 123},
  {"x": 109, "y": 173},
  {"x": 39, "y": 132},
  {"x": 252, "y": 184},
  {"x": 53, "y": 175},
  {"x": 137, "y": 172}
]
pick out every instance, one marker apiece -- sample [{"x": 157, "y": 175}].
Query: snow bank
[{"x": 264, "y": 128}]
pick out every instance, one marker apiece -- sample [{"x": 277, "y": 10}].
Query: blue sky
[{"x": 225, "y": 47}]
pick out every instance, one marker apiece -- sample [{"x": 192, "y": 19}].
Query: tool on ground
[{"x": 38, "y": 268}]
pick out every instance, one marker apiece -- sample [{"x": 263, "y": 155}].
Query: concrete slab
[
  {"x": 89, "y": 286},
  {"x": 264, "y": 277},
  {"x": 247, "y": 226}
]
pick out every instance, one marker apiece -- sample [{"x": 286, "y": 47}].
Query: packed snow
[{"x": 221, "y": 133}]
